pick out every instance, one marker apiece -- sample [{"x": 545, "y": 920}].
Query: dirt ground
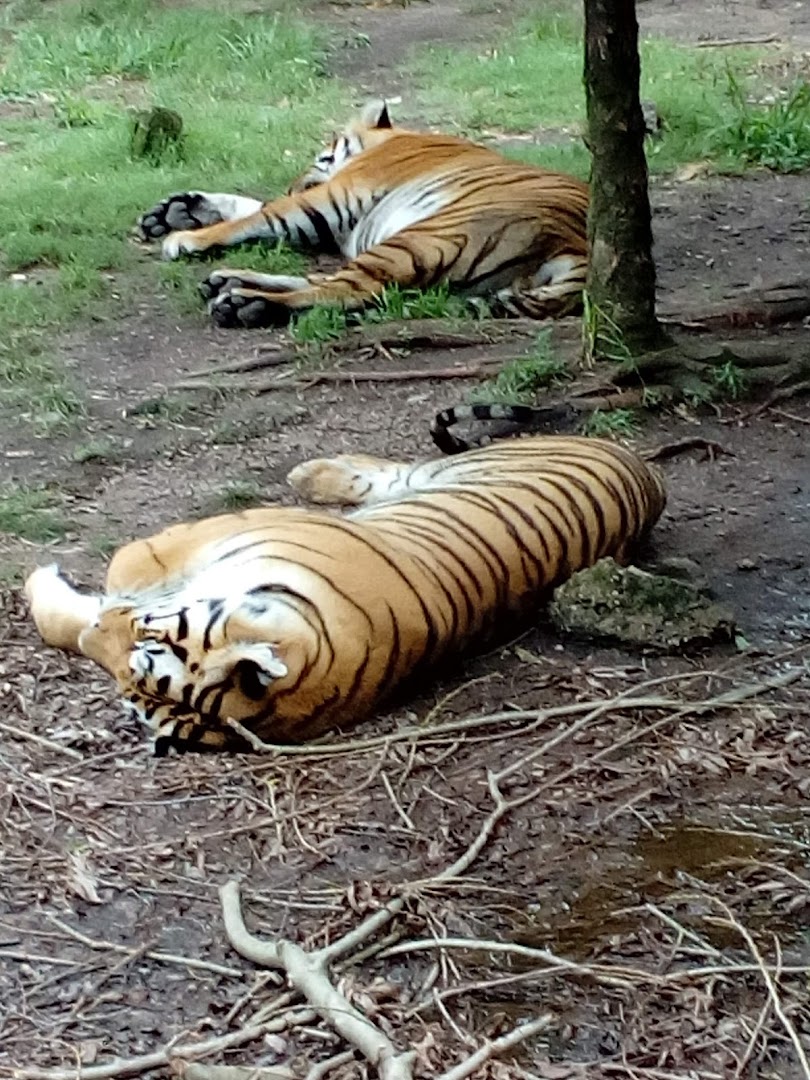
[{"x": 656, "y": 837}]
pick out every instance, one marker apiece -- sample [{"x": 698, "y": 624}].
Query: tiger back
[
  {"x": 292, "y": 621},
  {"x": 405, "y": 208}
]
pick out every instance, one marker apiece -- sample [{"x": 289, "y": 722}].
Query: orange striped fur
[
  {"x": 293, "y": 621},
  {"x": 403, "y": 207}
]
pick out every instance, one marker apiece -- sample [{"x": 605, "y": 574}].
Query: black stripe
[
  {"x": 335, "y": 207},
  {"x": 215, "y": 609},
  {"x": 326, "y": 239}
]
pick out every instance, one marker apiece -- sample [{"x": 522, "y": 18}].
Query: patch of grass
[
  {"x": 12, "y": 575},
  {"x": 319, "y": 325},
  {"x": 774, "y": 135},
  {"x": 612, "y": 424},
  {"x": 437, "y": 302},
  {"x": 100, "y": 451},
  {"x": 34, "y": 386},
  {"x": 235, "y": 496},
  {"x": 233, "y": 430},
  {"x": 729, "y": 381},
  {"x": 254, "y": 112},
  {"x": 520, "y": 380},
  {"x": 171, "y": 409},
  {"x": 103, "y": 545},
  {"x": 32, "y": 513},
  {"x": 531, "y": 81},
  {"x": 602, "y": 338}
]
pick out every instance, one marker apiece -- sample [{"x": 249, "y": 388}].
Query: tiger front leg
[
  {"x": 188, "y": 211},
  {"x": 61, "y": 614},
  {"x": 305, "y": 220}
]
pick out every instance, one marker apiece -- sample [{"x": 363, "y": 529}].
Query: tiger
[
  {"x": 280, "y": 623},
  {"x": 405, "y": 208}
]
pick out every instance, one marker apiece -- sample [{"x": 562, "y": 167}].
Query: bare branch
[{"x": 497, "y": 1046}]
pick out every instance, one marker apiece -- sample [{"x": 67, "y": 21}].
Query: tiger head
[
  {"x": 186, "y": 690},
  {"x": 372, "y": 127}
]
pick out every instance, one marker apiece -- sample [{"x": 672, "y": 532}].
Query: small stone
[{"x": 747, "y": 564}]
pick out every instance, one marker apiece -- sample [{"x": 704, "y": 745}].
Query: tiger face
[
  {"x": 372, "y": 128},
  {"x": 163, "y": 666}
]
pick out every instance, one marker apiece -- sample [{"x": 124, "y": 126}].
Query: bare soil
[{"x": 645, "y": 821}]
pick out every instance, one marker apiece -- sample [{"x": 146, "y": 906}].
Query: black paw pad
[
  {"x": 184, "y": 210},
  {"x": 230, "y": 310}
]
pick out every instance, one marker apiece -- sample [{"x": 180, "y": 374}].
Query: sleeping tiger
[
  {"x": 402, "y": 207},
  {"x": 293, "y": 621}
]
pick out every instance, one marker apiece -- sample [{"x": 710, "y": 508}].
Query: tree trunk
[{"x": 621, "y": 279}]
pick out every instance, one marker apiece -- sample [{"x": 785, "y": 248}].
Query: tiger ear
[
  {"x": 254, "y": 668},
  {"x": 375, "y": 115}
]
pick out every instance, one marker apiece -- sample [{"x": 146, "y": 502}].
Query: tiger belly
[{"x": 405, "y": 205}]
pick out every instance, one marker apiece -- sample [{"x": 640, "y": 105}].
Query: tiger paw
[
  {"x": 247, "y": 309},
  {"x": 184, "y": 211},
  {"x": 345, "y": 480},
  {"x": 221, "y": 281}
]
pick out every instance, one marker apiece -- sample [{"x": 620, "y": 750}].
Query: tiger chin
[
  {"x": 403, "y": 207},
  {"x": 279, "y": 623}
]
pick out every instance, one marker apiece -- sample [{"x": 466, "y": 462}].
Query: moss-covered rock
[
  {"x": 638, "y": 608},
  {"x": 156, "y": 133}
]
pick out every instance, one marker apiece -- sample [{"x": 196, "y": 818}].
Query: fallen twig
[
  {"x": 164, "y": 958},
  {"x": 308, "y": 972},
  {"x": 264, "y": 359},
  {"x": 782, "y": 394},
  {"x": 31, "y": 736},
  {"x": 732, "y": 921},
  {"x": 158, "y": 1059},
  {"x": 496, "y": 1047},
  {"x": 323, "y": 1068},
  {"x": 194, "y": 1070},
  {"x": 478, "y": 370},
  {"x": 470, "y": 723},
  {"x": 726, "y": 43}
]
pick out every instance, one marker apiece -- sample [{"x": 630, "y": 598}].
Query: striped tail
[{"x": 534, "y": 418}]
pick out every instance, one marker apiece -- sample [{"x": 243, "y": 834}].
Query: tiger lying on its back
[
  {"x": 292, "y": 621},
  {"x": 403, "y": 207}
]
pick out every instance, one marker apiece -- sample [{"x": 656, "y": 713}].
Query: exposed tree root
[
  {"x": 706, "y": 370},
  {"x": 682, "y": 446},
  {"x": 770, "y": 305}
]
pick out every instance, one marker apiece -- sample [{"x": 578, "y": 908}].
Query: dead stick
[
  {"x": 671, "y": 450},
  {"x": 497, "y": 1046},
  {"x": 10, "y": 729},
  {"x": 726, "y": 43},
  {"x": 254, "y": 363},
  {"x": 193, "y": 1070},
  {"x": 783, "y": 394},
  {"x": 161, "y": 957},
  {"x": 157, "y": 1060},
  {"x": 480, "y": 370}
]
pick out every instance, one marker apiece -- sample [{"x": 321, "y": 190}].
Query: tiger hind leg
[
  {"x": 411, "y": 258},
  {"x": 360, "y": 480},
  {"x": 191, "y": 210},
  {"x": 60, "y": 612},
  {"x": 555, "y": 290},
  {"x": 349, "y": 480},
  {"x": 226, "y": 281}
]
